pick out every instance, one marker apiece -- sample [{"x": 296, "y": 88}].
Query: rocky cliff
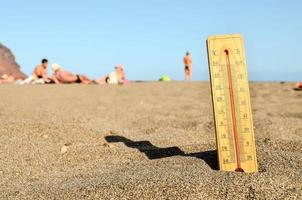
[{"x": 8, "y": 63}]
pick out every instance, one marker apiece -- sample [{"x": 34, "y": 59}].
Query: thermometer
[{"x": 231, "y": 104}]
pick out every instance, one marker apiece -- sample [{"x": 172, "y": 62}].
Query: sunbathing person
[
  {"x": 7, "y": 78},
  {"x": 115, "y": 77},
  {"x": 299, "y": 86},
  {"x": 121, "y": 74},
  {"x": 39, "y": 75},
  {"x": 63, "y": 76},
  {"x": 111, "y": 78},
  {"x": 40, "y": 71}
]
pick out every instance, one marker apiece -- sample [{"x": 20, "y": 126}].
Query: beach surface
[{"x": 141, "y": 141}]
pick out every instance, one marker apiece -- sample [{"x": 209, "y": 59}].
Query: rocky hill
[{"x": 8, "y": 64}]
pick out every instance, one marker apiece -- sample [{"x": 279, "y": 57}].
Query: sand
[{"x": 141, "y": 141}]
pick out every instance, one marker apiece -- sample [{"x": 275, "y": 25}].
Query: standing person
[
  {"x": 63, "y": 76},
  {"x": 188, "y": 66}
]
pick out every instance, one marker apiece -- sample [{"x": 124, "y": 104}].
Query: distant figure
[
  {"x": 63, "y": 76},
  {"x": 7, "y": 78},
  {"x": 121, "y": 74},
  {"x": 299, "y": 86},
  {"x": 39, "y": 75},
  {"x": 40, "y": 71},
  {"x": 188, "y": 66},
  {"x": 115, "y": 77}
]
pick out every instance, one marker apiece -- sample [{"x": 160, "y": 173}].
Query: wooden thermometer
[{"x": 231, "y": 103}]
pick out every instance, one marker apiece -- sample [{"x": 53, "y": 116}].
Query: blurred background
[{"x": 150, "y": 38}]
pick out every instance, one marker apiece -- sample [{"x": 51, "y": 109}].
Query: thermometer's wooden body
[{"x": 231, "y": 103}]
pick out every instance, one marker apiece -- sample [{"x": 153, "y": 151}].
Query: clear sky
[{"x": 150, "y": 37}]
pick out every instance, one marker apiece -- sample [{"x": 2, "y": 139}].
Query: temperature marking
[{"x": 231, "y": 104}]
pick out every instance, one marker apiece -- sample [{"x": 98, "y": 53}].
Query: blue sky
[{"x": 150, "y": 37}]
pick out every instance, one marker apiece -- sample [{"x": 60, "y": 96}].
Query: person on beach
[
  {"x": 39, "y": 75},
  {"x": 7, "y": 78},
  {"x": 115, "y": 77},
  {"x": 299, "y": 86},
  {"x": 63, "y": 76},
  {"x": 121, "y": 74},
  {"x": 40, "y": 71},
  {"x": 188, "y": 66}
]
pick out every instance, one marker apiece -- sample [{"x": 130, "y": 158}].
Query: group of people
[{"x": 59, "y": 75}]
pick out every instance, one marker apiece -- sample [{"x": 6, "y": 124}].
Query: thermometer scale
[{"x": 231, "y": 104}]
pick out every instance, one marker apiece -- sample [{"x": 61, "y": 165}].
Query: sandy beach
[{"x": 141, "y": 141}]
